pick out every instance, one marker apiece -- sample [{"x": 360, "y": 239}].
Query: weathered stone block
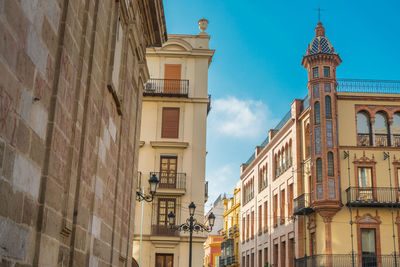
[
  {"x": 36, "y": 50},
  {"x": 8, "y": 47},
  {"x": 13, "y": 240},
  {"x": 37, "y": 149},
  {"x": 25, "y": 69},
  {"x": 17, "y": 20},
  {"x": 26, "y": 176},
  {"x": 48, "y": 252},
  {"x": 10, "y": 202},
  {"x": 29, "y": 211},
  {"x": 23, "y": 137},
  {"x": 2, "y": 148},
  {"x": 8, "y": 163}
]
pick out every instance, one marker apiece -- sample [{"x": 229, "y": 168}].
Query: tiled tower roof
[{"x": 320, "y": 44}]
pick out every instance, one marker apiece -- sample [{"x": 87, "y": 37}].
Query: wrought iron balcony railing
[
  {"x": 363, "y": 139},
  {"x": 284, "y": 167},
  {"x": 163, "y": 230},
  {"x": 166, "y": 87},
  {"x": 345, "y": 260},
  {"x": 171, "y": 180},
  {"x": 396, "y": 140},
  {"x": 302, "y": 205},
  {"x": 372, "y": 197},
  {"x": 381, "y": 140}
]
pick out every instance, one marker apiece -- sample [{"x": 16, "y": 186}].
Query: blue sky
[{"x": 256, "y": 71}]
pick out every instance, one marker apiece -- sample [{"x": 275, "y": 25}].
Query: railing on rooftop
[
  {"x": 368, "y": 86},
  {"x": 283, "y": 121},
  {"x": 344, "y": 260}
]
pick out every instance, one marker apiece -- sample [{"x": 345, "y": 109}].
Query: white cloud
[
  {"x": 238, "y": 118},
  {"x": 221, "y": 180}
]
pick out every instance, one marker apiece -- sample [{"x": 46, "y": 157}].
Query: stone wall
[{"x": 69, "y": 131}]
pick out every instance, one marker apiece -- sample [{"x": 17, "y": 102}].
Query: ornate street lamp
[
  {"x": 140, "y": 196},
  {"x": 153, "y": 182},
  {"x": 191, "y": 225}
]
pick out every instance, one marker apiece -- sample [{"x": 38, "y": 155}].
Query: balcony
[
  {"x": 163, "y": 230},
  {"x": 283, "y": 168},
  {"x": 396, "y": 140},
  {"x": 381, "y": 140},
  {"x": 372, "y": 197},
  {"x": 363, "y": 139},
  {"x": 166, "y": 87},
  {"x": 302, "y": 205},
  {"x": 171, "y": 180},
  {"x": 344, "y": 260}
]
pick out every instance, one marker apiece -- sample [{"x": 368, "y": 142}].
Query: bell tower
[{"x": 321, "y": 61}]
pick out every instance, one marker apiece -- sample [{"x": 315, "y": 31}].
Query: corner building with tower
[{"x": 337, "y": 185}]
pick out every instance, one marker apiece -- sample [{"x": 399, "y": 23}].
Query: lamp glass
[
  {"x": 211, "y": 219},
  {"x": 153, "y": 181},
  {"x": 192, "y": 208},
  {"x": 171, "y": 218}
]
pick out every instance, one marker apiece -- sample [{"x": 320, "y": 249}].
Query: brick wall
[{"x": 69, "y": 137}]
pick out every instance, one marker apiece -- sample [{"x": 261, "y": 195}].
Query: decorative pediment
[
  {"x": 364, "y": 159},
  {"x": 311, "y": 224},
  {"x": 368, "y": 219},
  {"x": 395, "y": 161}
]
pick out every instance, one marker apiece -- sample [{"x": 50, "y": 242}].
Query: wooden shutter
[
  {"x": 170, "y": 123},
  {"x": 172, "y": 77}
]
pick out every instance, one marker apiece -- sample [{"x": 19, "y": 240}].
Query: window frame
[
  {"x": 327, "y": 69},
  {"x": 315, "y": 72},
  {"x": 317, "y": 112},
  {"x": 163, "y": 134}
]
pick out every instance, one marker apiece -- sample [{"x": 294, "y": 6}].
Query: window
[
  {"x": 331, "y": 169},
  {"x": 313, "y": 242},
  {"x": 168, "y": 167},
  {"x": 365, "y": 177},
  {"x": 368, "y": 247},
  {"x": 282, "y": 221},
  {"x": 170, "y": 123},
  {"x": 260, "y": 219},
  {"x": 265, "y": 256},
  {"x": 396, "y": 129},
  {"x": 164, "y": 260},
  {"x": 248, "y": 227},
  {"x": 260, "y": 258},
  {"x": 317, "y": 113},
  {"x": 253, "y": 222},
  {"x": 275, "y": 210},
  {"x": 172, "y": 78},
  {"x": 319, "y": 170},
  {"x": 381, "y": 129},
  {"x": 327, "y": 71},
  {"x": 316, "y": 90},
  {"x": 266, "y": 215},
  {"x": 290, "y": 200},
  {"x": 327, "y": 87},
  {"x": 283, "y": 253},
  {"x": 363, "y": 129},
  {"x": 315, "y": 72},
  {"x": 165, "y": 206},
  {"x": 116, "y": 56},
  {"x": 243, "y": 227},
  {"x": 328, "y": 107}
]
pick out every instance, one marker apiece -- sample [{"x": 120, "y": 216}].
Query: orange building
[{"x": 212, "y": 250}]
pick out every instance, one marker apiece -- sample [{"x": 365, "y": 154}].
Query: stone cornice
[{"x": 169, "y": 144}]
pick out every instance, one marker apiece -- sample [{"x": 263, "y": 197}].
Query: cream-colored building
[{"x": 173, "y": 146}]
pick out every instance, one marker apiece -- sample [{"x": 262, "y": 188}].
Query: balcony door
[
  {"x": 168, "y": 167},
  {"x": 365, "y": 184},
  {"x": 368, "y": 247},
  {"x": 172, "y": 78},
  {"x": 165, "y": 206},
  {"x": 164, "y": 260}
]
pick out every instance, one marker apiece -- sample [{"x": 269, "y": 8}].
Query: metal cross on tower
[{"x": 319, "y": 13}]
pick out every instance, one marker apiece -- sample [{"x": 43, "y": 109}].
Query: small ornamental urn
[{"x": 203, "y": 24}]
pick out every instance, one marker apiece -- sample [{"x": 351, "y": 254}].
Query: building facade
[
  {"x": 173, "y": 146},
  {"x": 71, "y": 80},
  {"x": 349, "y": 149},
  {"x": 212, "y": 250},
  {"x": 231, "y": 231},
  {"x": 268, "y": 182}
]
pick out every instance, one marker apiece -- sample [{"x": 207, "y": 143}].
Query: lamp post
[
  {"x": 191, "y": 225},
  {"x": 141, "y": 197}
]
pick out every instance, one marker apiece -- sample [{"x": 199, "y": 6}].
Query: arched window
[
  {"x": 331, "y": 170},
  {"x": 317, "y": 113},
  {"x": 364, "y": 129},
  {"x": 396, "y": 129},
  {"x": 381, "y": 129},
  {"x": 328, "y": 108},
  {"x": 319, "y": 170}
]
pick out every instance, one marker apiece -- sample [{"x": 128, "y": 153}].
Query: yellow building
[
  {"x": 173, "y": 147},
  {"x": 347, "y": 201},
  {"x": 231, "y": 237}
]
